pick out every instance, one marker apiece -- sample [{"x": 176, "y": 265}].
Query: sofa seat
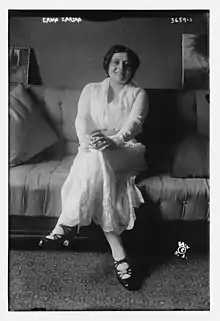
[
  {"x": 35, "y": 188},
  {"x": 177, "y": 198}
]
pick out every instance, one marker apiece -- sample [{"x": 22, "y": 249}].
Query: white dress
[{"x": 100, "y": 185}]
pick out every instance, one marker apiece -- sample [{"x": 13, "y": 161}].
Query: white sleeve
[
  {"x": 134, "y": 123},
  {"x": 83, "y": 118}
]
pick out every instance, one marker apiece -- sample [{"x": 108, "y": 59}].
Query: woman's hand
[
  {"x": 99, "y": 141},
  {"x": 115, "y": 142}
]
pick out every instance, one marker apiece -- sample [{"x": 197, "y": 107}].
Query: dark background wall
[{"x": 70, "y": 54}]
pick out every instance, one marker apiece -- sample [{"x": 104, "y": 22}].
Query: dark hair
[{"x": 132, "y": 57}]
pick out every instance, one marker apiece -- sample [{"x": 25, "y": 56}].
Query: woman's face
[{"x": 120, "y": 69}]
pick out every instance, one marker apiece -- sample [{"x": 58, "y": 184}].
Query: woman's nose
[{"x": 121, "y": 66}]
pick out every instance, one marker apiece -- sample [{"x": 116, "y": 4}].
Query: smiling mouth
[{"x": 120, "y": 73}]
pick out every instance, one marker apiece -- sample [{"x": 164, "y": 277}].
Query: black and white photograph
[
  {"x": 19, "y": 65},
  {"x": 108, "y": 166},
  {"x": 195, "y": 61}
]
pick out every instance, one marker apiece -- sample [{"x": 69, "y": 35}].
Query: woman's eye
[{"x": 126, "y": 64}]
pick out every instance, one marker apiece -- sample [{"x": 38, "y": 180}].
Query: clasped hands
[{"x": 97, "y": 140}]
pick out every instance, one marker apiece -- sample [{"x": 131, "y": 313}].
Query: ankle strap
[{"x": 125, "y": 260}]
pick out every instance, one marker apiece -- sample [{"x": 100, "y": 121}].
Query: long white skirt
[{"x": 101, "y": 187}]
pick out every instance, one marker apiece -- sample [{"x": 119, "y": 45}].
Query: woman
[{"x": 100, "y": 185}]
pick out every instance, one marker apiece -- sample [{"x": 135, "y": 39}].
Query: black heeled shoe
[
  {"x": 133, "y": 281},
  {"x": 57, "y": 240}
]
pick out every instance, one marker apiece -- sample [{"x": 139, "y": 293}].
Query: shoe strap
[
  {"x": 125, "y": 260},
  {"x": 55, "y": 237},
  {"x": 127, "y": 271}
]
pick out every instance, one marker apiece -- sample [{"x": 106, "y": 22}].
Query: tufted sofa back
[
  {"x": 173, "y": 115},
  {"x": 60, "y": 108}
]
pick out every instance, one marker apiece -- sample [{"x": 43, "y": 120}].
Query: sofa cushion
[
  {"x": 35, "y": 189},
  {"x": 186, "y": 199},
  {"x": 60, "y": 105},
  {"x": 29, "y": 131},
  {"x": 191, "y": 157},
  {"x": 202, "y": 106}
]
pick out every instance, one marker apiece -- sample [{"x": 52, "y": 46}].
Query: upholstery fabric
[
  {"x": 60, "y": 107},
  {"x": 192, "y": 157},
  {"x": 202, "y": 106},
  {"x": 29, "y": 131},
  {"x": 186, "y": 199},
  {"x": 35, "y": 188}
]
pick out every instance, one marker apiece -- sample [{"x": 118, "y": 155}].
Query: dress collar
[{"x": 106, "y": 83}]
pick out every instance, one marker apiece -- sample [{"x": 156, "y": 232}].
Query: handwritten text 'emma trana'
[{"x": 62, "y": 19}]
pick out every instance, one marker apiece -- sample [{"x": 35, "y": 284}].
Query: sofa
[{"x": 176, "y": 134}]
